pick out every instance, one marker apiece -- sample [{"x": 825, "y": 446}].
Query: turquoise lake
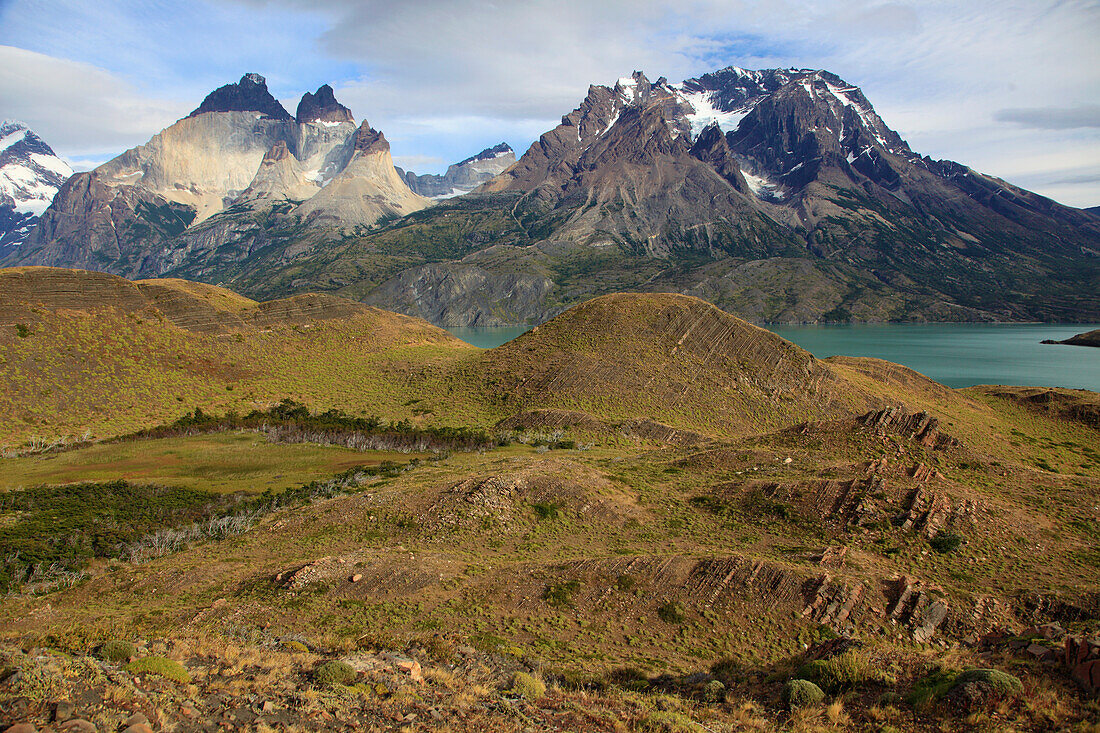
[{"x": 955, "y": 354}]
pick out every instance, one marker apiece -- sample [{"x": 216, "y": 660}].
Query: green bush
[
  {"x": 889, "y": 698},
  {"x": 561, "y": 594},
  {"x": 1003, "y": 684},
  {"x": 527, "y": 687},
  {"x": 115, "y": 650},
  {"x": 714, "y": 691},
  {"x": 945, "y": 542},
  {"x": 160, "y": 666},
  {"x": 843, "y": 672},
  {"x": 547, "y": 510},
  {"x": 671, "y": 613},
  {"x": 334, "y": 673},
  {"x": 22, "y": 330},
  {"x": 669, "y": 721},
  {"x": 801, "y": 693}
]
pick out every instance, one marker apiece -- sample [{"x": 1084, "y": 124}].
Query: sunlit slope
[
  {"x": 672, "y": 358},
  {"x": 85, "y": 351}
]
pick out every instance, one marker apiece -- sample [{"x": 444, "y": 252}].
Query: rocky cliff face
[
  {"x": 464, "y": 176},
  {"x": 367, "y": 189},
  {"x": 30, "y": 174}
]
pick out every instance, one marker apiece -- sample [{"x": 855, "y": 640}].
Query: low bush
[
  {"x": 161, "y": 667},
  {"x": 527, "y": 687},
  {"x": 671, "y": 613},
  {"x": 561, "y": 594},
  {"x": 945, "y": 542},
  {"x": 1003, "y": 684},
  {"x": 844, "y": 672},
  {"x": 668, "y": 721},
  {"x": 115, "y": 650},
  {"x": 800, "y": 694},
  {"x": 334, "y": 673},
  {"x": 547, "y": 510}
]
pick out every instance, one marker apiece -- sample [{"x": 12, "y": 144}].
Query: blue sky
[{"x": 1011, "y": 88}]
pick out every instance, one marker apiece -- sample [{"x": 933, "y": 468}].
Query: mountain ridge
[{"x": 686, "y": 186}]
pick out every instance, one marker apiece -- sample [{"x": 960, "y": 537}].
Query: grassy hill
[{"x": 655, "y": 509}]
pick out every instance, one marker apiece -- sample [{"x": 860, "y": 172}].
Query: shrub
[
  {"x": 669, "y": 721},
  {"x": 889, "y": 698},
  {"x": 1002, "y": 683},
  {"x": 295, "y": 646},
  {"x": 931, "y": 687},
  {"x": 527, "y": 687},
  {"x": 334, "y": 673},
  {"x": 671, "y": 613},
  {"x": 160, "y": 666},
  {"x": 843, "y": 672},
  {"x": 945, "y": 542},
  {"x": 115, "y": 650},
  {"x": 714, "y": 691},
  {"x": 560, "y": 595},
  {"x": 801, "y": 693},
  {"x": 546, "y": 510},
  {"x": 22, "y": 330}
]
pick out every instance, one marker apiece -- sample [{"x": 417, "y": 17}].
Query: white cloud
[
  {"x": 76, "y": 108},
  {"x": 445, "y": 78}
]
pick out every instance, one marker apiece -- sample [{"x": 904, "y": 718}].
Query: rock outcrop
[{"x": 279, "y": 176}]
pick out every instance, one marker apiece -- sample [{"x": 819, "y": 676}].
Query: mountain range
[
  {"x": 779, "y": 195},
  {"x": 464, "y": 176}
]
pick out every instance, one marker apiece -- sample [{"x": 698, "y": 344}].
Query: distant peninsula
[{"x": 1090, "y": 338}]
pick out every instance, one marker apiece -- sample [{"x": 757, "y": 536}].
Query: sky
[{"x": 1008, "y": 87}]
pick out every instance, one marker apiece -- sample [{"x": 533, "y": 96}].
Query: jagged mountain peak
[
  {"x": 322, "y": 107},
  {"x": 369, "y": 140},
  {"x": 30, "y": 175},
  {"x": 250, "y": 94}
]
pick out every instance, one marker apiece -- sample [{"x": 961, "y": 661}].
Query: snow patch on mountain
[
  {"x": 705, "y": 112},
  {"x": 30, "y": 176}
]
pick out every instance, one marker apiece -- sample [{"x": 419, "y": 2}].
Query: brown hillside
[
  {"x": 671, "y": 358},
  {"x": 27, "y": 292}
]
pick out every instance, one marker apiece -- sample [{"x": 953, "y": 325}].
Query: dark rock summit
[
  {"x": 248, "y": 95},
  {"x": 497, "y": 151},
  {"x": 322, "y": 107}
]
